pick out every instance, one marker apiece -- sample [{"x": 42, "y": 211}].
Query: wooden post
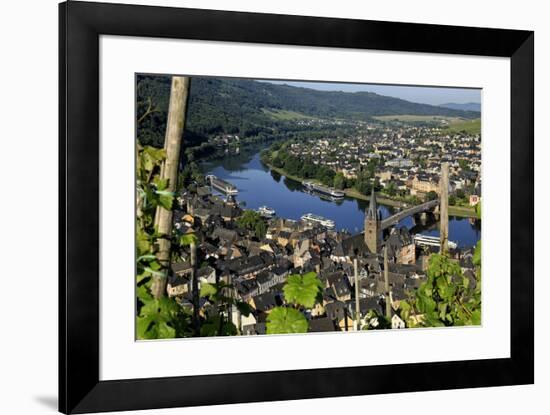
[
  {"x": 444, "y": 208},
  {"x": 345, "y": 318},
  {"x": 172, "y": 144},
  {"x": 357, "y": 320},
  {"x": 387, "y": 284},
  {"x": 195, "y": 290}
]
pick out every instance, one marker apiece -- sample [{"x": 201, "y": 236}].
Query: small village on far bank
[{"x": 402, "y": 162}]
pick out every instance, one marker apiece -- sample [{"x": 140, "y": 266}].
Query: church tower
[{"x": 372, "y": 225}]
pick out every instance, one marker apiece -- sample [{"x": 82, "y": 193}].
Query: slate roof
[
  {"x": 342, "y": 288},
  {"x": 264, "y": 277},
  {"x": 355, "y": 245},
  {"x": 265, "y": 302},
  {"x": 225, "y": 234},
  {"x": 336, "y": 310},
  {"x": 322, "y": 324},
  {"x": 367, "y": 304},
  {"x": 244, "y": 287},
  {"x": 181, "y": 267}
]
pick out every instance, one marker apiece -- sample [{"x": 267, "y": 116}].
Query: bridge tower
[{"x": 372, "y": 226}]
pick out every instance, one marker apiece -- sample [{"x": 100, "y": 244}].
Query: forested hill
[
  {"x": 248, "y": 108},
  {"x": 469, "y": 106}
]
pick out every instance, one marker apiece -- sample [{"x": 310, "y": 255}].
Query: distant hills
[
  {"x": 248, "y": 107},
  {"x": 469, "y": 106}
]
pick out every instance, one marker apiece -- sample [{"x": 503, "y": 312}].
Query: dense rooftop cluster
[
  {"x": 408, "y": 158},
  {"x": 258, "y": 266}
]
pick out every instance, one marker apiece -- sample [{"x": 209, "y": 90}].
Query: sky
[{"x": 423, "y": 95}]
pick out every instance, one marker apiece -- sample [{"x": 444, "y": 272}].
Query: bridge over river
[{"x": 399, "y": 216}]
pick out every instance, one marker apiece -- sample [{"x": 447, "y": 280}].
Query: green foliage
[
  {"x": 445, "y": 299},
  {"x": 151, "y": 193},
  {"x": 466, "y": 127},
  {"x": 151, "y": 190},
  {"x": 391, "y": 189},
  {"x": 477, "y": 255},
  {"x": 300, "y": 291},
  {"x": 464, "y": 164},
  {"x": 252, "y": 220},
  {"x": 478, "y": 210},
  {"x": 431, "y": 195},
  {"x": 303, "y": 290},
  {"x": 363, "y": 184},
  {"x": 375, "y": 321},
  {"x": 209, "y": 290},
  {"x": 156, "y": 318},
  {"x": 217, "y": 326},
  {"x": 250, "y": 108},
  {"x": 221, "y": 295},
  {"x": 304, "y": 168},
  {"x": 339, "y": 181},
  {"x": 188, "y": 239},
  {"x": 365, "y": 180},
  {"x": 282, "y": 320}
]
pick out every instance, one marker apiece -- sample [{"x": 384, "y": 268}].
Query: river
[{"x": 259, "y": 186}]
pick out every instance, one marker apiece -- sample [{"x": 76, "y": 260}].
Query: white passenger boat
[
  {"x": 266, "y": 211},
  {"x": 221, "y": 185},
  {"x": 324, "y": 190},
  {"x": 312, "y": 218}
]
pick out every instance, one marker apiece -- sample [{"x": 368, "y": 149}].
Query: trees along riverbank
[{"x": 381, "y": 197}]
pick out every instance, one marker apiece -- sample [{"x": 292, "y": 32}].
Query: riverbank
[{"x": 460, "y": 211}]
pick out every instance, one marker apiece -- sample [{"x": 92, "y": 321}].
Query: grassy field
[
  {"x": 413, "y": 118},
  {"x": 462, "y": 211},
  {"x": 450, "y": 124},
  {"x": 470, "y": 126},
  {"x": 284, "y": 115}
]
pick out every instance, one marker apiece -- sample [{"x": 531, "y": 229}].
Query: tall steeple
[
  {"x": 372, "y": 212},
  {"x": 372, "y": 225}
]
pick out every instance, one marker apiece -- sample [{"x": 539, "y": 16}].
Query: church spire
[
  {"x": 372, "y": 232},
  {"x": 372, "y": 213}
]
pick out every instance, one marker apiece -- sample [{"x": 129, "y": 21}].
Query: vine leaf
[
  {"x": 284, "y": 320},
  {"x": 477, "y": 255},
  {"x": 303, "y": 290},
  {"x": 152, "y": 323},
  {"x": 208, "y": 290},
  {"x": 212, "y": 325}
]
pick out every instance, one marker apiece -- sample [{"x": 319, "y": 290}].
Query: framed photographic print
[{"x": 263, "y": 207}]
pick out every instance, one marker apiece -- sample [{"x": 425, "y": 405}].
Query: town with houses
[
  {"x": 411, "y": 156},
  {"x": 389, "y": 263},
  {"x": 423, "y": 169}
]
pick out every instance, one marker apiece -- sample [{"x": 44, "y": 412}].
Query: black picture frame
[{"x": 81, "y": 25}]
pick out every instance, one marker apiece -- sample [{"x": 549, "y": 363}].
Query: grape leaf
[
  {"x": 477, "y": 255},
  {"x": 303, "y": 290},
  {"x": 208, "y": 290},
  {"x": 284, "y": 320}
]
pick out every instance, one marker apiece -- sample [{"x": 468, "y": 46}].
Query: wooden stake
[
  {"x": 444, "y": 209},
  {"x": 387, "y": 284},
  {"x": 357, "y": 320},
  {"x": 195, "y": 290},
  {"x": 175, "y": 123}
]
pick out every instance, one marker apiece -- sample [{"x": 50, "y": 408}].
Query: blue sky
[{"x": 424, "y": 95}]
